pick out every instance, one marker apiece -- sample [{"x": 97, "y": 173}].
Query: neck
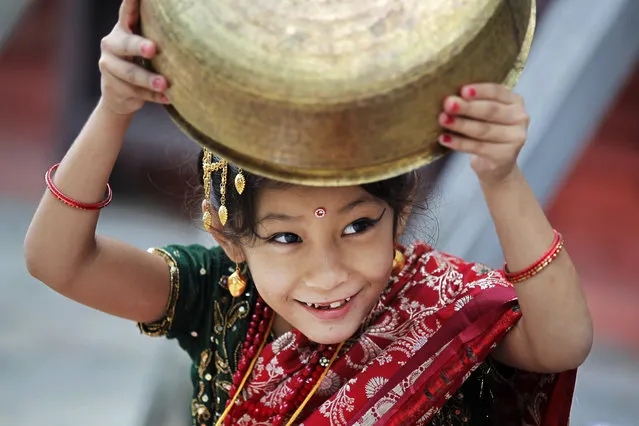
[{"x": 280, "y": 326}]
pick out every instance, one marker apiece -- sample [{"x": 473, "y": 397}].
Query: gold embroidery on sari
[
  {"x": 226, "y": 318},
  {"x": 223, "y": 385},
  {"x": 238, "y": 311},
  {"x": 222, "y": 323},
  {"x": 200, "y": 409},
  {"x": 205, "y": 362},
  {"x": 221, "y": 364}
]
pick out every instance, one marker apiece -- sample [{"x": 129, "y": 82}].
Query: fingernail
[
  {"x": 449, "y": 119},
  {"x": 447, "y": 139},
  {"x": 158, "y": 83},
  {"x": 455, "y": 107},
  {"x": 147, "y": 48},
  {"x": 471, "y": 92}
]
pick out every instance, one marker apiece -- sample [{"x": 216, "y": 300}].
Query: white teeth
[{"x": 333, "y": 305}]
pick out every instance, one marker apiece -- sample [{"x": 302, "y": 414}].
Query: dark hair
[{"x": 397, "y": 192}]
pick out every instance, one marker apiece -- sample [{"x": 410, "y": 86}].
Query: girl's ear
[{"x": 232, "y": 250}]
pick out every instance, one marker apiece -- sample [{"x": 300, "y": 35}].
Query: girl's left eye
[
  {"x": 361, "y": 225},
  {"x": 358, "y": 226},
  {"x": 285, "y": 238}
]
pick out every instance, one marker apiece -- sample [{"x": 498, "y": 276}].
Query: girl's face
[{"x": 321, "y": 274}]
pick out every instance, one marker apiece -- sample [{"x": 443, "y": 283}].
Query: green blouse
[
  {"x": 210, "y": 325},
  {"x": 206, "y": 321}
]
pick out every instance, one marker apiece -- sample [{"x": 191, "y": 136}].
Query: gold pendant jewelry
[
  {"x": 240, "y": 182},
  {"x": 208, "y": 167},
  {"x": 207, "y": 220},
  {"x": 223, "y": 214},
  {"x": 236, "y": 282},
  {"x": 398, "y": 262}
]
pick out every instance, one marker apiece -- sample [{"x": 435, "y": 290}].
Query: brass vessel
[{"x": 329, "y": 92}]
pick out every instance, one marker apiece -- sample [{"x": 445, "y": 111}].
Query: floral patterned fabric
[{"x": 419, "y": 358}]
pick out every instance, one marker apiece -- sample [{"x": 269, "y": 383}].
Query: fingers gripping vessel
[{"x": 331, "y": 92}]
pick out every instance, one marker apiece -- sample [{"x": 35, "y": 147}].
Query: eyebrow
[
  {"x": 348, "y": 207},
  {"x": 278, "y": 216},
  {"x": 366, "y": 199}
]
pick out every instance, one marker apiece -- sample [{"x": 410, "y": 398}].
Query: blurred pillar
[{"x": 10, "y": 14}]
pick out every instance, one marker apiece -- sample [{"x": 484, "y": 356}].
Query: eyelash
[{"x": 369, "y": 223}]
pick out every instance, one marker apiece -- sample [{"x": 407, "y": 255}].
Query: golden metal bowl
[{"x": 329, "y": 92}]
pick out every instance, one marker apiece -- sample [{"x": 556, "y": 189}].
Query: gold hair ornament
[{"x": 208, "y": 167}]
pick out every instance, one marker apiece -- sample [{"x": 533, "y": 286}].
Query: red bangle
[
  {"x": 548, "y": 257},
  {"x": 70, "y": 201}
]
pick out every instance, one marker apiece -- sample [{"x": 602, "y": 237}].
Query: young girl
[{"x": 309, "y": 311}]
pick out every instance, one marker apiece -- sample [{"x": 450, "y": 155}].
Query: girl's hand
[
  {"x": 490, "y": 122},
  {"x": 125, "y": 85}
]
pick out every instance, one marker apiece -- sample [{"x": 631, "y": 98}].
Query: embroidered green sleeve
[
  {"x": 195, "y": 271},
  {"x": 208, "y": 323}
]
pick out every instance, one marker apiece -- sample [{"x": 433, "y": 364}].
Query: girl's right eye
[{"x": 285, "y": 238}]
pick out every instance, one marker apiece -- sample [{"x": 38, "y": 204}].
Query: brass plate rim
[{"x": 345, "y": 177}]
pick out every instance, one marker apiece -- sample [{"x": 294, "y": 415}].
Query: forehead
[{"x": 295, "y": 197}]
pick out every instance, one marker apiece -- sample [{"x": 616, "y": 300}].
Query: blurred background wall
[{"x": 63, "y": 364}]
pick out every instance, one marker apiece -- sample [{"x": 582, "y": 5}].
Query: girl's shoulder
[
  {"x": 197, "y": 279},
  {"x": 194, "y": 257}
]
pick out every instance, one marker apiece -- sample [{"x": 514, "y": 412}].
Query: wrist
[
  {"x": 104, "y": 111},
  {"x": 512, "y": 179}
]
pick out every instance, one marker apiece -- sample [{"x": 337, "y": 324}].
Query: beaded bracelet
[
  {"x": 70, "y": 201},
  {"x": 541, "y": 264}
]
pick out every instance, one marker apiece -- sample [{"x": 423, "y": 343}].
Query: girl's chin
[
  {"x": 331, "y": 335},
  {"x": 328, "y": 340}
]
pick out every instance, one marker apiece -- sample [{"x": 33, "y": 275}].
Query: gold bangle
[{"x": 162, "y": 327}]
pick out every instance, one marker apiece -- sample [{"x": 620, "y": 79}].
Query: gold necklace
[
  {"x": 250, "y": 369},
  {"x": 319, "y": 380}
]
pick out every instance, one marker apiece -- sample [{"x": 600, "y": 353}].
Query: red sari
[
  {"x": 434, "y": 325},
  {"x": 422, "y": 344}
]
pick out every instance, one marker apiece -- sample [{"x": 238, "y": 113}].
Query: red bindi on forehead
[{"x": 320, "y": 212}]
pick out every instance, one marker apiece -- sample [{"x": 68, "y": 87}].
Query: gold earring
[
  {"x": 236, "y": 282},
  {"x": 398, "y": 262}
]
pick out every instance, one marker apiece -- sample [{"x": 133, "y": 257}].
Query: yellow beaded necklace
[{"x": 250, "y": 369}]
